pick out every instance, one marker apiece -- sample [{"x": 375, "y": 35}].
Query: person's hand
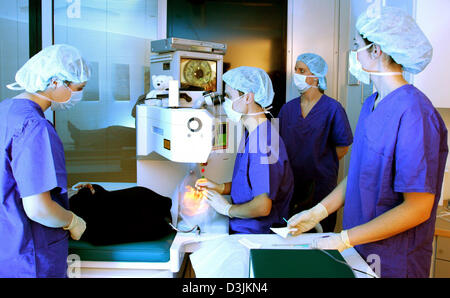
[
  {"x": 308, "y": 219},
  {"x": 76, "y": 227},
  {"x": 219, "y": 203},
  {"x": 335, "y": 241},
  {"x": 203, "y": 183}
]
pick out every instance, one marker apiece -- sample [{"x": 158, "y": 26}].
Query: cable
[
  {"x": 339, "y": 261},
  {"x": 186, "y": 231}
]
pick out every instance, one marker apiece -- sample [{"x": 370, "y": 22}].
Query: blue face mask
[
  {"x": 76, "y": 97},
  {"x": 357, "y": 70},
  {"x": 237, "y": 116},
  {"x": 232, "y": 114},
  {"x": 301, "y": 84}
]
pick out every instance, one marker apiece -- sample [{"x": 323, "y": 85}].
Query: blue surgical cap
[
  {"x": 317, "y": 66},
  {"x": 61, "y": 61},
  {"x": 251, "y": 79},
  {"x": 398, "y": 35}
]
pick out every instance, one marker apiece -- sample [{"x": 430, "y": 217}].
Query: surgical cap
[
  {"x": 61, "y": 61},
  {"x": 251, "y": 79},
  {"x": 398, "y": 35},
  {"x": 317, "y": 66}
]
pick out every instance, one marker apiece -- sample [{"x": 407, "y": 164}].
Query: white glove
[
  {"x": 219, "y": 203},
  {"x": 308, "y": 219},
  {"x": 335, "y": 241},
  {"x": 77, "y": 227}
]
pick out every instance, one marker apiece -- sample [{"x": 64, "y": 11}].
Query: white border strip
[
  {"x": 47, "y": 23},
  {"x": 162, "y": 19}
]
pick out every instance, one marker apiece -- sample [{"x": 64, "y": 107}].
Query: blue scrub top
[
  {"x": 32, "y": 162},
  {"x": 262, "y": 166},
  {"x": 311, "y": 143},
  {"x": 400, "y": 147}
]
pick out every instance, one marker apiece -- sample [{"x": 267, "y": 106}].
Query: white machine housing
[
  {"x": 181, "y": 135},
  {"x": 173, "y": 44},
  {"x": 184, "y": 133}
]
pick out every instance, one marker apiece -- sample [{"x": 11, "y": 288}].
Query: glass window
[
  {"x": 14, "y": 44},
  {"x": 99, "y": 134}
]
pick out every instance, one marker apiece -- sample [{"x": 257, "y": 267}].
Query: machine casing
[{"x": 180, "y": 135}]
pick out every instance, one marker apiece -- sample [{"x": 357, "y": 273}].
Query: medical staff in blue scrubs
[
  {"x": 262, "y": 183},
  {"x": 398, "y": 157},
  {"x": 34, "y": 218},
  {"x": 317, "y": 135}
]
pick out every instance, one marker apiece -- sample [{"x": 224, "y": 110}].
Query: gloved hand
[
  {"x": 308, "y": 219},
  {"x": 335, "y": 241},
  {"x": 219, "y": 203},
  {"x": 203, "y": 183},
  {"x": 76, "y": 227}
]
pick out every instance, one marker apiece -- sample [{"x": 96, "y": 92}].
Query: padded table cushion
[{"x": 152, "y": 251}]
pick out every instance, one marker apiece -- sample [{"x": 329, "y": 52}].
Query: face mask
[
  {"x": 359, "y": 73},
  {"x": 76, "y": 97},
  {"x": 232, "y": 114},
  {"x": 300, "y": 82},
  {"x": 236, "y": 116},
  {"x": 356, "y": 68}
]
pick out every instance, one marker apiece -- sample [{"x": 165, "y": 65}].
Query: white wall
[
  {"x": 432, "y": 17},
  {"x": 313, "y": 28}
]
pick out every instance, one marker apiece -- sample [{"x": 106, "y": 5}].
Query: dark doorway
[{"x": 254, "y": 31}]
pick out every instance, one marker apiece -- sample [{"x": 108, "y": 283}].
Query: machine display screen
[
  {"x": 198, "y": 75},
  {"x": 220, "y": 139}
]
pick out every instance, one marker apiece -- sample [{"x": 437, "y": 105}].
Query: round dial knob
[{"x": 194, "y": 124}]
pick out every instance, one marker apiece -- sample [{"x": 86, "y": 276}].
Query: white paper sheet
[{"x": 283, "y": 232}]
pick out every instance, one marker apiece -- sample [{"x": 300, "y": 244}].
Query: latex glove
[
  {"x": 76, "y": 227},
  {"x": 217, "y": 201},
  {"x": 335, "y": 241},
  {"x": 308, "y": 219},
  {"x": 203, "y": 183}
]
